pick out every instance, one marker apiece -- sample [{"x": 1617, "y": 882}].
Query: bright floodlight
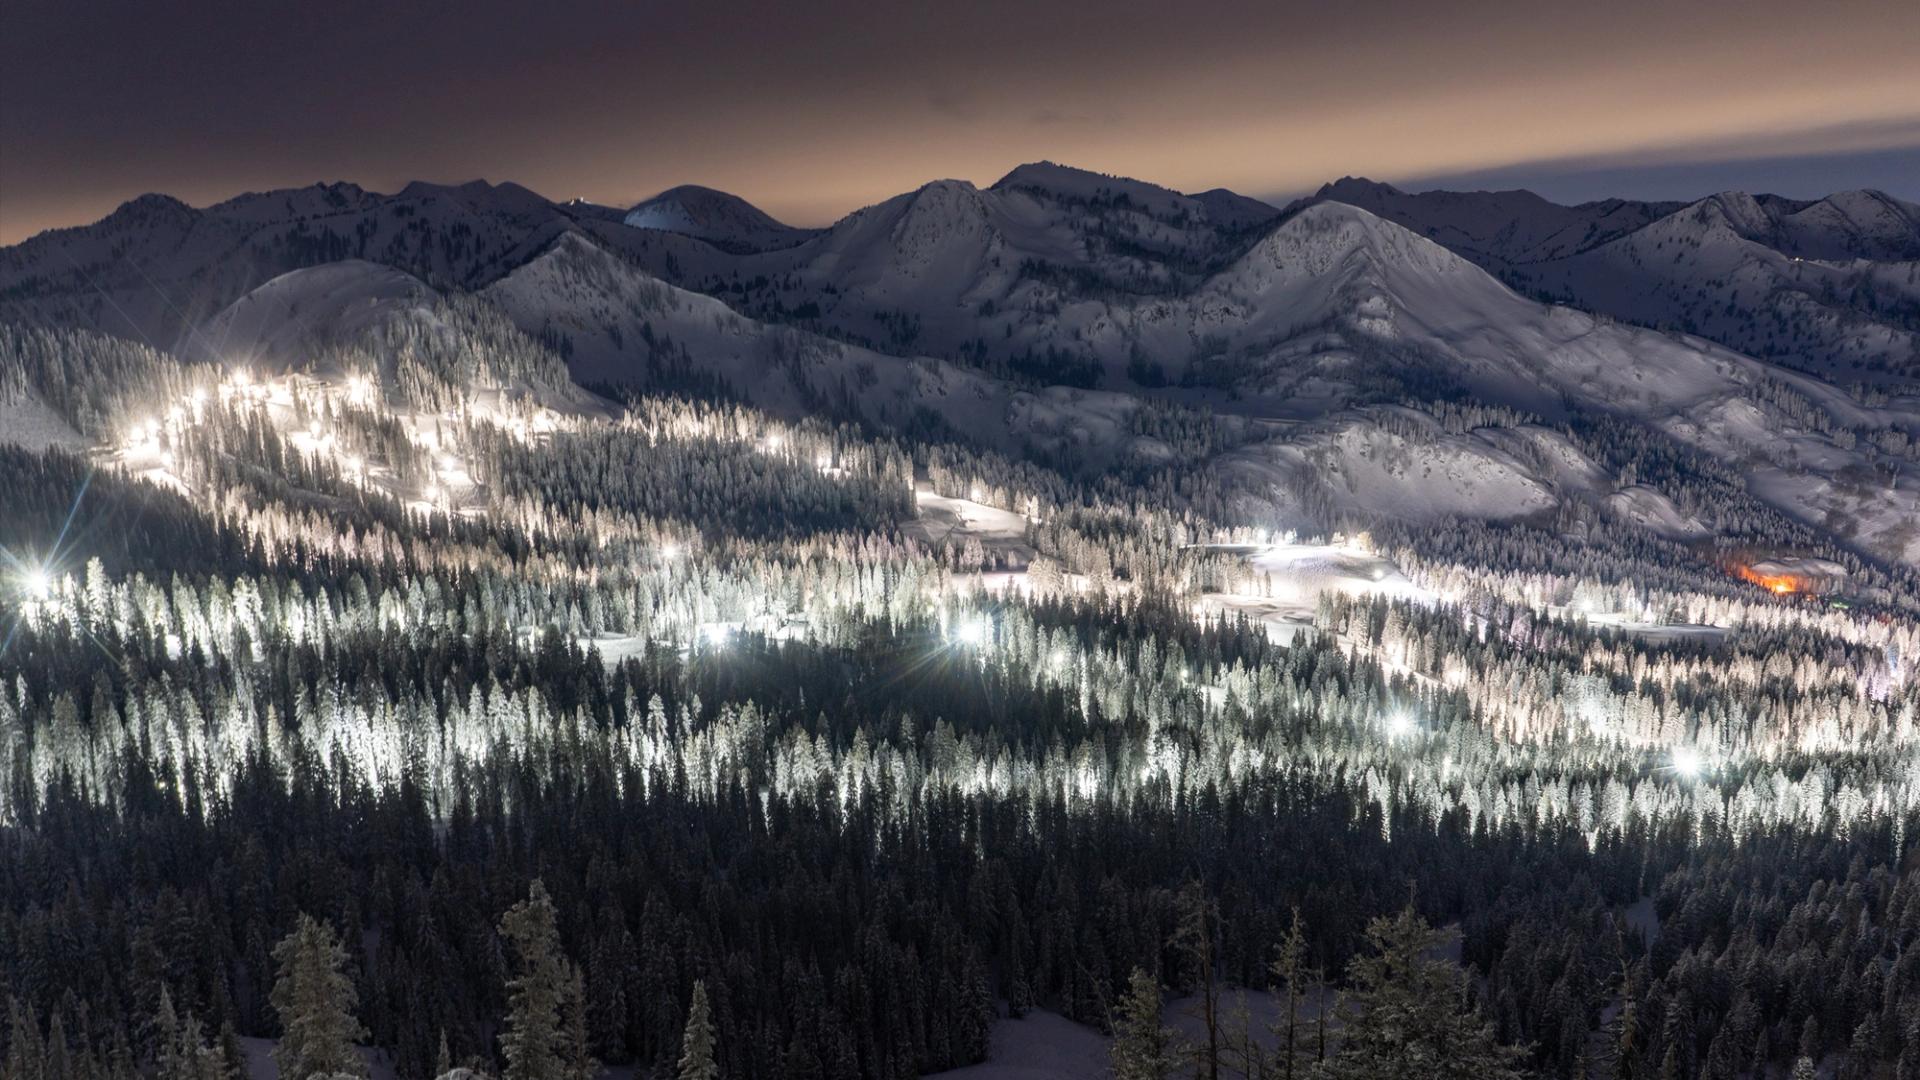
[
  {"x": 670, "y": 552},
  {"x": 971, "y": 632},
  {"x": 39, "y": 583},
  {"x": 1400, "y": 724},
  {"x": 1686, "y": 762}
]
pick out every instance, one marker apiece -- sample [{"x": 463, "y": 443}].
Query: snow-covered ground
[
  {"x": 31, "y": 424},
  {"x": 943, "y": 519},
  {"x": 1653, "y": 629},
  {"x": 1039, "y": 1046},
  {"x": 1044, "y": 1045},
  {"x": 1298, "y": 574},
  {"x": 259, "y": 1064}
]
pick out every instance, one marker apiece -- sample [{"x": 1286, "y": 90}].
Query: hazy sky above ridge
[{"x": 811, "y": 110}]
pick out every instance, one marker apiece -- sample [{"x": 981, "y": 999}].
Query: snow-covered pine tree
[
  {"x": 534, "y": 1043},
  {"x": 1142, "y": 1045},
  {"x": 315, "y": 1000},
  {"x": 1405, "y": 1017},
  {"x": 697, "y": 1045}
]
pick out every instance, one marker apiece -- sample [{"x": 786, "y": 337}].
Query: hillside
[{"x": 1829, "y": 286}]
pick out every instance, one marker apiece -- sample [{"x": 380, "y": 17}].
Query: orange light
[{"x": 1778, "y": 584}]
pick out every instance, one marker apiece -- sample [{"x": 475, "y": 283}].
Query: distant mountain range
[
  {"x": 1042, "y": 313},
  {"x": 1829, "y": 285}
]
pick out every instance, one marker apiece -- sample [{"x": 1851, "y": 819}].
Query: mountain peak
[
  {"x": 1348, "y": 188},
  {"x": 151, "y": 204},
  {"x": 1050, "y": 175},
  {"x": 725, "y": 220}
]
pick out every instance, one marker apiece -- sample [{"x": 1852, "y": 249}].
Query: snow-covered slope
[
  {"x": 1804, "y": 445},
  {"x": 614, "y": 322},
  {"x": 1334, "y": 309},
  {"x": 1829, "y": 286},
  {"x": 726, "y": 221},
  {"x": 954, "y": 270},
  {"x": 157, "y": 267},
  {"x": 1720, "y": 268},
  {"x": 1497, "y": 228},
  {"x": 971, "y": 307},
  {"x": 289, "y": 318}
]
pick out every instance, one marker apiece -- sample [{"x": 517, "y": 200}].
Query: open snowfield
[
  {"x": 1298, "y": 574},
  {"x": 944, "y": 519},
  {"x": 28, "y": 423}
]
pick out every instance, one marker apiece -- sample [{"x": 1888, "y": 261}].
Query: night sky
[{"x": 813, "y": 109}]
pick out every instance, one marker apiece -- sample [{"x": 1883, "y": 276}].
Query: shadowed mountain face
[
  {"x": 155, "y": 268},
  {"x": 1827, "y": 286}
]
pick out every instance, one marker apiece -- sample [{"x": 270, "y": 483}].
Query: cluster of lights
[{"x": 241, "y": 386}]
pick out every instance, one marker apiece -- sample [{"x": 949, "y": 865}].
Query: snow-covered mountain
[
  {"x": 1382, "y": 300},
  {"x": 1072, "y": 315},
  {"x": 947, "y": 268},
  {"x": 155, "y": 268},
  {"x": 1327, "y": 317},
  {"x": 1829, "y": 286},
  {"x": 1721, "y": 268},
  {"x": 1497, "y": 229},
  {"x": 726, "y": 221}
]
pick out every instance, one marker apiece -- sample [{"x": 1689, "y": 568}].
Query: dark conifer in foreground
[
  {"x": 315, "y": 1001},
  {"x": 1405, "y": 1016},
  {"x": 1142, "y": 1044},
  {"x": 697, "y": 1043}
]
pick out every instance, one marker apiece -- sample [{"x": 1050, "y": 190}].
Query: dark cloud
[
  {"x": 813, "y": 109},
  {"x": 1896, "y": 172},
  {"x": 1882, "y": 155}
]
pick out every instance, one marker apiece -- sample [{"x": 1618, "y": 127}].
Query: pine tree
[
  {"x": 532, "y": 1041},
  {"x": 315, "y": 1000},
  {"x": 166, "y": 1029},
  {"x": 24, "y": 1054},
  {"x": 1803, "y": 1069},
  {"x": 576, "y": 1059},
  {"x": 1289, "y": 967},
  {"x": 1142, "y": 1045},
  {"x": 1195, "y": 937},
  {"x": 59, "y": 1055},
  {"x": 697, "y": 1044},
  {"x": 1406, "y": 1018}
]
